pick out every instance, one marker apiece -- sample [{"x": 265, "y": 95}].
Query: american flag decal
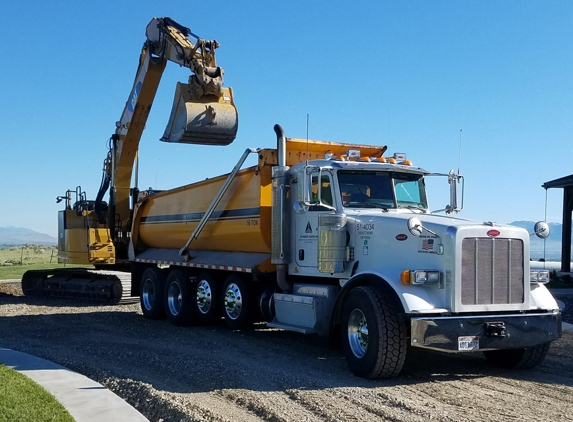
[{"x": 428, "y": 244}]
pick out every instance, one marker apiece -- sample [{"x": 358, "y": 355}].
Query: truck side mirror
[
  {"x": 454, "y": 180},
  {"x": 303, "y": 187},
  {"x": 541, "y": 229},
  {"x": 415, "y": 226}
]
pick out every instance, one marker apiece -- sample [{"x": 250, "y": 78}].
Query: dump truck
[{"x": 324, "y": 238}]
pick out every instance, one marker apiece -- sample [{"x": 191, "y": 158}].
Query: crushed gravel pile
[{"x": 212, "y": 374}]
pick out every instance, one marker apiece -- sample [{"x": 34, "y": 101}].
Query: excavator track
[{"x": 111, "y": 287}]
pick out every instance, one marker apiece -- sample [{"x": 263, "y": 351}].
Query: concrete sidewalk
[{"x": 86, "y": 400}]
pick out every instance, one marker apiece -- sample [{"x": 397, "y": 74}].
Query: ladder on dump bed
[{"x": 184, "y": 251}]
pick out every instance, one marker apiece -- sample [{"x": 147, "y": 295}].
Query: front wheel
[
  {"x": 373, "y": 334},
  {"x": 525, "y": 358}
]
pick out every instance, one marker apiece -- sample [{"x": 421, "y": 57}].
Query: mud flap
[{"x": 206, "y": 121}]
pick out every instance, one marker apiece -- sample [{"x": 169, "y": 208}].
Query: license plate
[{"x": 468, "y": 343}]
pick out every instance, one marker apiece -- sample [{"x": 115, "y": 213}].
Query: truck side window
[{"x": 325, "y": 190}]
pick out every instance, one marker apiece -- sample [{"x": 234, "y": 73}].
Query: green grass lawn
[
  {"x": 28, "y": 257},
  {"x": 16, "y": 271},
  {"x": 29, "y": 254},
  {"x": 24, "y": 400}
]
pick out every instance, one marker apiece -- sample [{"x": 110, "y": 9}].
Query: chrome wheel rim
[
  {"x": 148, "y": 294},
  {"x": 358, "y": 333},
  {"x": 174, "y": 298},
  {"x": 204, "y": 296},
  {"x": 233, "y": 301}
]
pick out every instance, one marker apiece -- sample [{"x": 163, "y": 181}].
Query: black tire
[
  {"x": 32, "y": 283},
  {"x": 151, "y": 291},
  {"x": 373, "y": 334},
  {"x": 525, "y": 358},
  {"x": 179, "y": 296},
  {"x": 267, "y": 304},
  {"x": 207, "y": 298},
  {"x": 236, "y": 303}
]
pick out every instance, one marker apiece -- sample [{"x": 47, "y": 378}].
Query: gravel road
[{"x": 212, "y": 374}]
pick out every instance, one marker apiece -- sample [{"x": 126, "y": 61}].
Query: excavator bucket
[{"x": 206, "y": 121}]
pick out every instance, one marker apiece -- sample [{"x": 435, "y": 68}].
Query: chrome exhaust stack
[{"x": 280, "y": 253}]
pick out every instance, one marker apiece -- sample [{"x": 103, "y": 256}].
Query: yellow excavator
[{"x": 97, "y": 233}]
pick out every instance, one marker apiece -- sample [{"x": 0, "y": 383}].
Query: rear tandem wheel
[
  {"x": 180, "y": 299},
  {"x": 207, "y": 299},
  {"x": 151, "y": 293},
  {"x": 236, "y": 303}
]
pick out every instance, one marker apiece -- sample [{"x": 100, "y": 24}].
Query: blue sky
[{"x": 407, "y": 74}]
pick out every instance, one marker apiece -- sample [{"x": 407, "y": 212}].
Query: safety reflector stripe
[{"x": 193, "y": 265}]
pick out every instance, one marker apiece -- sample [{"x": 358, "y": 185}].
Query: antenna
[
  {"x": 460, "y": 152},
  {"x": 307, "y": 119}
]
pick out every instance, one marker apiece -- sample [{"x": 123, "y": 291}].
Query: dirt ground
[{"x": 212, "y": 374}]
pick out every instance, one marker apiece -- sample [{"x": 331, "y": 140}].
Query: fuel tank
[{"x": 240, "y": 223}]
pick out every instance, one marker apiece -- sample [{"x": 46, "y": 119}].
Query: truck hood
[{"x": 442, "y": 225}]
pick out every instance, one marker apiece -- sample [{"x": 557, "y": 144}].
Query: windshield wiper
[
  {"x": 412, "y": 208},
  {"x": 366, "y": 205}
]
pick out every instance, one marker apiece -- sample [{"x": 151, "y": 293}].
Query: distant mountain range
[
  {"x": 13, "y": 236},
  {"x": 549, "y": 248}
]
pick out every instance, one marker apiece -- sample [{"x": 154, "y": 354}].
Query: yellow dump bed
[{"x": 242, "y": 220}]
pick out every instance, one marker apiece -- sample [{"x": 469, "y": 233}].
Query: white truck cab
[{"x": 375, "y": 263}]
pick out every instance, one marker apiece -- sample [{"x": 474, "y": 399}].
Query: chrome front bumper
[{"x": 485, "y": 332}]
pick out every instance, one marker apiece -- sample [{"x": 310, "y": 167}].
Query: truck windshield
[
  {"x": 410, "y": 190},
  {"x": 381, "y": 189}
]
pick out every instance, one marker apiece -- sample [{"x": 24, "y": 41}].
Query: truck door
[{"x": 306, "y": 224}]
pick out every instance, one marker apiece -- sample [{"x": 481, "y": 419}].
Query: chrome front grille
[{"x": 492, "y": 271}]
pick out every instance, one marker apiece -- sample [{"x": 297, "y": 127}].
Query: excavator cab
[{"x": 204, "y": 120}]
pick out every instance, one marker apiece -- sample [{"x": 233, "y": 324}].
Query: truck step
[{"x": 307, "y": 310}]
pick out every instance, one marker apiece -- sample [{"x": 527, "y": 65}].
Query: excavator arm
[
  {"x": 98, "y": 233},
  {"x": 203, "y": 111}
]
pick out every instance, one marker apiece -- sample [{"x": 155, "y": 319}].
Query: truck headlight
[
  {"x": 539, "y": 276},
  {"x": 420, "y": 277}
]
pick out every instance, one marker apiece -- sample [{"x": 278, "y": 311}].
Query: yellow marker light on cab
[{"x": 405, "y": 277}]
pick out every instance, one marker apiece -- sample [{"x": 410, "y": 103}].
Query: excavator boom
[
  {"x": 203, "y": 110},
  {"x": 98, "y": 233}
]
